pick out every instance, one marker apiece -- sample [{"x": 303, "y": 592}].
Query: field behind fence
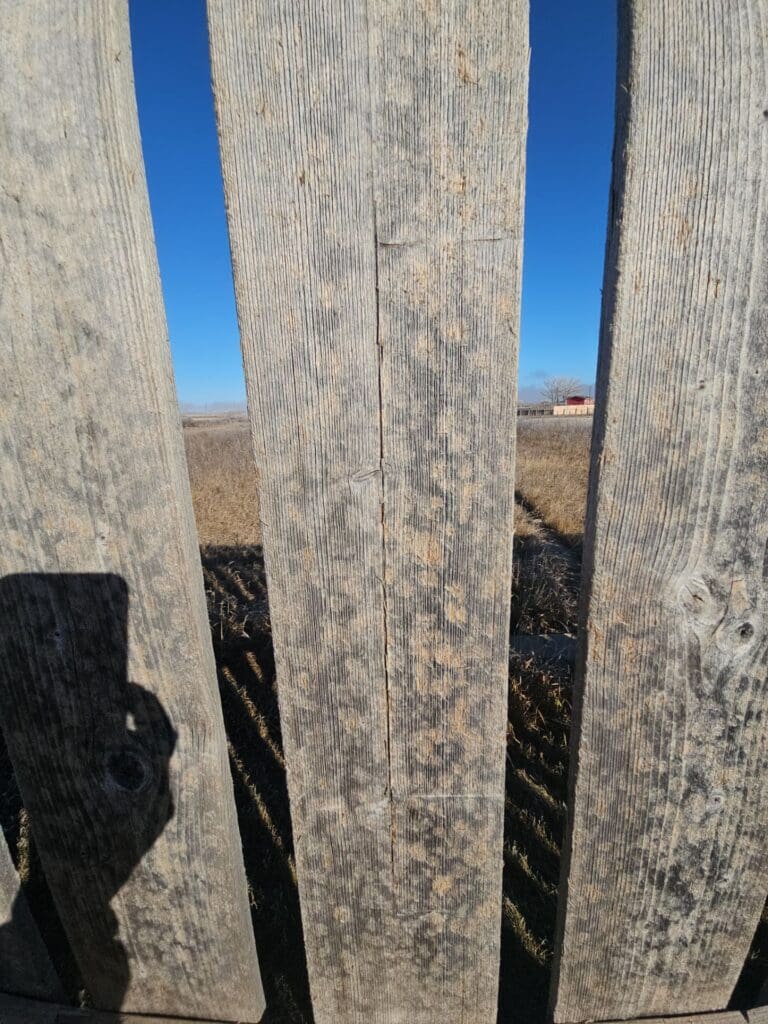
[{"x": 374, "y": 162}]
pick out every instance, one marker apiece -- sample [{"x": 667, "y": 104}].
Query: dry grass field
[
  {"x": 223, "y": 479},
  {"x": 552, "y": 481},
  {"x": 552, "y": 474},
  {"x": 552, "y": 470},
  {"x": 550, "y": 515}
]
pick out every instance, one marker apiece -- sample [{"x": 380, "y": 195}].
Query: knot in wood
[{"x": 127, "y": 770}]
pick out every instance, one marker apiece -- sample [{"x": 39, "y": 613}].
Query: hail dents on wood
[
  {"x": 107, "y": 683},
  {"x": 378, "y": 297},
  {"x": 666, "y": 872}
]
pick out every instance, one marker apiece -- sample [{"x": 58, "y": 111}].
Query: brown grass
[
  {"x": 552, "y": 471},
  {"x": 552, "y": 476},
  {"x": 224, "y": 482},
  {"x": 544, "y": 601}
]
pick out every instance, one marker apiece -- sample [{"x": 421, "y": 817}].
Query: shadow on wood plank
[
  {"x": 91, "y": 750},
  {"x": 537, "y": 765}
]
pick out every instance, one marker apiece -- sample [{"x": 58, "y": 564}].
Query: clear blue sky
[{"x": 569, "y": 150}]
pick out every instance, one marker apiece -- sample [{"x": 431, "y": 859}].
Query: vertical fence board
[
  {"x": 373, "y": 172},
  {"x": 108, "y": 695},
  {"x": 667, "y": 860},
  {"x": 290, "y": 81},
  {"x": 26, "y": 1011},
  {"x": 25, "y": 967},
  {"x": 449, "y": 87}
]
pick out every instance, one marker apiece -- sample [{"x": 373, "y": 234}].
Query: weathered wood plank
[
  {"x": 756, "y": 1016},
  {"x": 667, "y": 863},
  {"x": 25, "y": 967},
  {"x": 290, "y": 81},
  {"x": 373, "y": 171},
  {"x": 21, "y": 1011},
  {"x": 449, "y": 87},
  {"x": 27, "y": 1011},
  {"x": 107, "y": 682}
]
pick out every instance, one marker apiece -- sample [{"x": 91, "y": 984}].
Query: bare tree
[{"x": 555, "y": 390}]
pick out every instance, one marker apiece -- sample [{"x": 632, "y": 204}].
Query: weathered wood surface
[
  {"x": 24, "y": 1011},
  {"x": 757, "y": 1016},
  {"x": 25, "y": 967},
  {"x": 449, "y": 87},
  {"x": 667, "y": 865},
  {"x": 107, "y": 683},
  {"x": 373, "y": 166},
  {"x": 27, "y": 1011}
]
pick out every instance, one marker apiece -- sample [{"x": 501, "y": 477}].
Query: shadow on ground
[
  {"x": 242, "y": 639},
  {"x": 544, "y": 603},
  {"x": 544, "y": 606}
]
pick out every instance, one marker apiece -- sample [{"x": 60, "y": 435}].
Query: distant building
[{"x": 575, "y": 405}]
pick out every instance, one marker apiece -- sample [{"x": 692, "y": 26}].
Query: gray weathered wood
[
  {"x": 449, "y": 87},
  {"x": 25, "y": 967},
  {"x": 667, "y": 865},
  {"x": 756, "y": 1016},
  {"x": 27, "y": 1011},
  {"x": 107, "y": 683},
  {"x": 373, "y": 166}
]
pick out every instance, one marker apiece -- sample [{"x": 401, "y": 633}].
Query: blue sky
[{"x": 569, "y": 151}]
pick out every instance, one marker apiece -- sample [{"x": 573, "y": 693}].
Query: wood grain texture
[
  {"x": 449, "y": 89},
  {"x": 25, "y": 967},
  {"x": 667, "y": 861},
  {"x": 108, "y": 692},
  {"x": 759, "y": 1015},
  {"x": 27, "y": 1011},
  {"x": 373, "y": 166}
]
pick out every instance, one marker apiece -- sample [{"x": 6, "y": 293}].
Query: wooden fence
[{"x": 373, "y": 159}]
